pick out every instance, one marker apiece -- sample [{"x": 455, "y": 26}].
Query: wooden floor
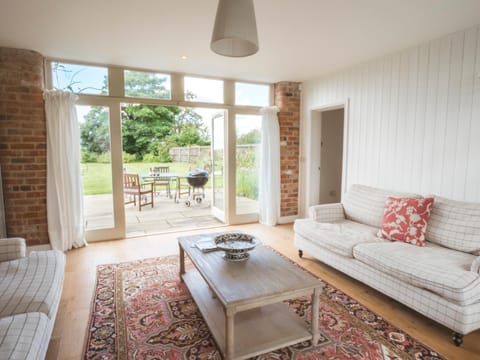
[{"x": 72, "y": 319}]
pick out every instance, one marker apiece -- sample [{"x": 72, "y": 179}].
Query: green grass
[{"x": 97, "y": 178}]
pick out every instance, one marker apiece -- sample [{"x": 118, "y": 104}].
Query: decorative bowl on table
[{"x": 236, "y": 245}]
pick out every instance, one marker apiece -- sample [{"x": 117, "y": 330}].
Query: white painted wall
[{"x": 413, "y": 121}]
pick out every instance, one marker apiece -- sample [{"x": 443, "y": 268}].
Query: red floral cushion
[{"x": 406, "y": 219}]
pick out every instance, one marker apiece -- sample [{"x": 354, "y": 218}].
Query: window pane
[
  {"x": 252, "y": 94},
  {"x": 96, "y": 166},
  {"x": 147, "y": 85},
  {"x": 247, "y": 128},
  {"x": 81, "y": 79},
  {"x": 204, "y": 90}
]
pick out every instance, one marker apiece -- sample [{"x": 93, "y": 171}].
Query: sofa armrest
[
  {"x": 475, "y": 267},
  {"x": 327, "y": 212},
  {"x": 12, "y": 248}
]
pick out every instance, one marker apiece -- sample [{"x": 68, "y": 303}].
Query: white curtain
[
  {"x": 66, "y": 221},
  {"x": 269, "y": 180}
]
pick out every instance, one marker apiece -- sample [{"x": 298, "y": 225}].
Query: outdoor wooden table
[{"x": 171, "y": 177}]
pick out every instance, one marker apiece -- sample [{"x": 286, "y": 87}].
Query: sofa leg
[
  {"x": 457, "y": 339},
  {"x": 300, "y": 253}
]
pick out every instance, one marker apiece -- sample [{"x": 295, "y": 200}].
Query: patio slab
[{"x": 165, "y": 216}]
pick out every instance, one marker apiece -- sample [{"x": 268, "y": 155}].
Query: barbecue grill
[{"x": 197, "y": 179}]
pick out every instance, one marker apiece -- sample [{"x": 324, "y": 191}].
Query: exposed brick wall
[
  {"x": 287, "y": 98},
  {"x": 23, "y": 144}
]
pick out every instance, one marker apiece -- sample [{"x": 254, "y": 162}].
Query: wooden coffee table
[{"x": 242, "y": 302}]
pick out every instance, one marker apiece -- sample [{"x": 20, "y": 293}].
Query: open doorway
[
  {"x": 331, "y": 153},
  {"x": 162, "y": 147},
  {"x": 326, "y": 175}
]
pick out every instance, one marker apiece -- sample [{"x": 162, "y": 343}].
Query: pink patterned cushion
[{"x": 405, "y": 219}]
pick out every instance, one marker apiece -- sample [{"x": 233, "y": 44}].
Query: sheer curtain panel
[
  {"x": 269, "y": 180},
  {"x": 66, "y": 221}
]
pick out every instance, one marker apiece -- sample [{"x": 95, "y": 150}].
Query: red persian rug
[{"x": 142, "y": 311}]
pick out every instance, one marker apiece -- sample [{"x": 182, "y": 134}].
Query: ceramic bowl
[{"x": 236, "y": 245}]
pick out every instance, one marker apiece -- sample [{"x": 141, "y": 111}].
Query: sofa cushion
[
  {"x": 32, "y": 284},
  {"x": 23, "y": 336},
  {"x": 455, "y": 224},
  {"x": 339, "y": 237},
  {"x": 441, "y": 270},
  {"x": 406, "y": 219},
  {"x": 366, "y": 204}
]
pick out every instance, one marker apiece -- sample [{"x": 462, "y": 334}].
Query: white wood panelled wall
[{"x": 413, "y": 119}]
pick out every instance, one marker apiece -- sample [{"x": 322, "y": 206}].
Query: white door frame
[
  {"x": 220, "y": 214},
  {"x": 233, "y": 217},
  {"x": 118, "y": 231},
  {"x": 313, "y": 148}
]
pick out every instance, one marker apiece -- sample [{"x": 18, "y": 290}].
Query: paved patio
[{"x": 166, "y": 215}]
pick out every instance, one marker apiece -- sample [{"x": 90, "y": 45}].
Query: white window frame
[{"x": 114, "y": 100}]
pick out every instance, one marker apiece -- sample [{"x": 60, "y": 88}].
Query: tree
[
  {"x": 146, "y": 129},
  {"x": 251, "y": 137},
  {"x": 189, "y": 129},
  {"x": 145, "y": 85},
  {"x": 95, "y": 131},
  {"x": 145, "y": 126}
]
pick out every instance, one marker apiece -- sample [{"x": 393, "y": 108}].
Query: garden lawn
[{"x": 97, "y": 177}]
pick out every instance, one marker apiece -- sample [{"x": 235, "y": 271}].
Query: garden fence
[{"x": 202, "y": 154}]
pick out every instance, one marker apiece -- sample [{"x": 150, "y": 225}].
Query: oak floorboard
[{"x": 72, "y": 320}]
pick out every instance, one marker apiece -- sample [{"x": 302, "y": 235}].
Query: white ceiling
[{"x": 299, "y": 39}]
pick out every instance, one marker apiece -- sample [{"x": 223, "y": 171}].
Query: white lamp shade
[{"x": 235, "y": 31}]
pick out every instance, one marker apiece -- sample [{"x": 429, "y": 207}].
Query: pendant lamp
[{"x": 235, "y": 30}]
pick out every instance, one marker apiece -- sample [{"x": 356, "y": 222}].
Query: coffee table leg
[
  {"x": 229, "y": 331},
  {"x": 315, "y": 311},
  {"x": 182, "y": 262}
]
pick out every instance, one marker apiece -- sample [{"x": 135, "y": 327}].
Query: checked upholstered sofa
[
  {"x": 30, "y": 291},
  {"x": 440, "y": 280}
]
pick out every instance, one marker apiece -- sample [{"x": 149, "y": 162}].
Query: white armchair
[
  {"x": 12, "y": 249},
  {"x": 30, "y": 292}
]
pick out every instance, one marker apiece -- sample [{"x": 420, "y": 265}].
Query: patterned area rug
[{"x": 142, "y": 311}]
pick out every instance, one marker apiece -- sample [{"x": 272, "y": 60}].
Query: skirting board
[{"x": 287, "y": 219}]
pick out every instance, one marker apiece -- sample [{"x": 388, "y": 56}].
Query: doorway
[
  {"x": 327, "y": 154},
  {"x": 163, "y": 146},
  {"x": 331, "y": 153}
]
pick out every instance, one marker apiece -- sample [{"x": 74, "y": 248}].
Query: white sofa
[
  {"x": 30, "y": 291},
  {"x": 440, "y": 280}
]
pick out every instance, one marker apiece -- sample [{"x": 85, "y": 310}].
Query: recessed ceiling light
[{"x": 184, "y": 57}]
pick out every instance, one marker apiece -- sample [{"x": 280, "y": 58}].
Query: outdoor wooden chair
[
  {"x": 183, "y": 188},
  {"x": 133, "y": 188},
  {"x": 158, "y": 181}
]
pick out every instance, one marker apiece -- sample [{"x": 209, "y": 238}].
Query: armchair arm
[
  {"x": 12, "y": 248},
  {"x": 475, "y": 267},
  {"x": 327, "y": 212}
]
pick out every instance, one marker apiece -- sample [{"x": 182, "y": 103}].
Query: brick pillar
[
  {"x": 287, "y": 98},
  {"x": 23, "y": 154}
]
